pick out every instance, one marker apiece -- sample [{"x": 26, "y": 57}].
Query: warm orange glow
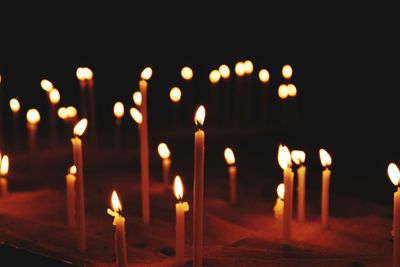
[
  {"x": 264, "y": 75},
  {"x": 229, "y": 156},
  {"x": 284, "y": 159},
  {"x": 14, "y": 105},
  {"x": 224, "y": 71},
  {"x": 119, "y": 110},
  {"x": 80, "y": 73},
  {"x": 287, "y": 71},
  {"x": 88, "y": 73},
  {"x": 325, "y": 158},
  {"x": 80, "y": 127},
  {"x": 54, "y": 96},
  {"x": 71, "y": 112},
  {"x": 200, "y": 116},
  {"x": 298, "y": 156},
  {"x": 62, "y": 113},
  {"x": 394, "y": 173},
  {"x": 46, "y": 85},
  {"x": 72, "y": 169},
  {"x": 136, "y": 115},
  {"x": 292, "y": 90},
  {"x": 175, "y": 94},
  {"x": 240, "y": 69},
  {"x": 137, "y": 98},
  {"x": 283, "y": 91},
  {"x": 280, "y": 191},
  {"x": 187, "y": 73},
  {"x": 33, "y": 116},
  {"x": 4, "y": 165},
  {"x": 146, "y": 73},
  {"x": 178, "y": 187},
  {"x": 214, "y": 76},
  {"x": 116, "y": 204},
  {"x": 248, "y": 67},
  {"x": 163, "y": 151}
]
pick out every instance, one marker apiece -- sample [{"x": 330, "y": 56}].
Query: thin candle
[
  {"x": 326, "y": 161},
  {"x": 180, "y": 209},
  {"x": 175, "y": 94},
  {"x": 81, "y": 74},
  {"x": 230, "y": 160},
  {"x": 165, "y": 154},
  {"x": 54, "y": 97},
  {"x": 298, "y": 158},
  {"x": 33, "y": 118},
  {"x": 70, "y": 180},
  {"x": 394, "y": 175},
  {"x": 118, "y": 113},
  {"x": 15, "y": 108},
  {"x": 4, "y": 164},
  {"x": 92, "y": 107},
  {"x": 278, "y": 207}
]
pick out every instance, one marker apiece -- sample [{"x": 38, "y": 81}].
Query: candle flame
[
  {"x": 229, "y": 156},
  {"x": 71, "y": 112},
  {"x": 187, "y": 73},
  {"x": 163, "y": 151},
  {"x": 394, "y": 174},
  {"x": 88, "y": 73},
  {"x": 33, "y": 116},
  {"x": 178, "y": 187},
  {"x": 175, "y": 94},
  {"x": 136, "y": 115},
  {"x": 292, "y": 90},
  {"x": 119, "y": 110},
  {"x": 298, "y": 156},
  {"x": 4, "y": 165},
  {"x": 80, "y": 73},
  {"x": 287, "y": 71},
  {"x": 200, "y": 116},
  {"x": 62, "y": 113},
  {"x": 116, "y": 204},
  {"x": 264, "y": 75},
  {"x": 137, "y": 98},
  {"x": 280, "y": 191},
  {"x": 325, "y": 158},
  {"x": 46, "y": 85},
  {"x": 72, "y": 169},
  {"x": 224, "y": 71},
  {"x": 54, "y": 96},
  {"x": 240, "y": 69},
  {"x": 80, "y": 127},
  {"x": 284, "y": 157},
  {"x": 248, "y": 67},
  {"x": 146, "y": 73},
  {"x": 283, "y": 91},
  {"x": 14, "y": 105},
  {"x": 214, "y": 76}
]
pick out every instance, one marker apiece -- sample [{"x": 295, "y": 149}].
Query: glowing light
[
  {"x": 224, "y": 71},
  {"x": 80, "y": 127},
  {"x": 46, "y": 85},
  {"x": 284, "y": 158},
  {"x": 214, "y": 76},
  {"x": 54, "y": 96},
  {"x": 62, "y": 113},
  {"x": 283, "y": 91},
  {"x": 71, "y": 112},
  {"x": 287, "y": 72},
  {"x": 72, "y": 169},
  {"x": 88, "y": 73},
  {"x": 137, "y": 98},
  {"x": 394, "y": 173},
  {"x": 175, "y": 94},
  {"x": 178, "y": 188},
  {"x": 229, "y": 156},
  {"x": 163, "y": 151},
  {"x": 33, "y": 116},
  {"x": 146, "y": 73},
  {"x": 264, "y": 75},
  {"x": 298, "y": 157},
  {"x": 292, "y": 90},
  {"x": 116, "y": 204},
  {"x": 187, "y": 73},
  {"x": 81, "y": 73},
  {"x": 280, "y": 191},
  {"x": 248, "y": 67},
  {"x": 200, "y": 116},
  {"x": 325, "y": 158},
  {"x": 14, "y": 105},
  {"x": 136, "y": 115},
  {"x": 119, "y": 110},
  {"x": 240, "y": 69},
  {"x": 4, "y": 165}
]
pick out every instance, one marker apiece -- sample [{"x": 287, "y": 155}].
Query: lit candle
[
  {"x": 79, "y": 129},
  {"x": 33, "y": 118},
  {"x": 240, "y": 72},
  {"x": 4, "y": 163},
  {"x": 230, "y": 160},
  {"x": 394, "y": 175},
  {"x": 180, "y": 209},
  {"x": 92, "y": 108},
  {"x": 187, "y": 88},
  {"x": 264, "y": 78},
  {"x": 225, "y": 93},
  {"x": 247, "y": 98},
  {"x": 285, "y": 162},
  {"x": 54, "y": 97},
  {"x": 326, "y": 161},
  {"x": 15, "y": 108},
  {"x": 198, "y": 188},
  {"x": 70, "y": 179},
  {"x": 175, "y": 94},
  {"x": 165, "y": 154},
  {"x": 119, "y": 223},
  {"x": 287, "y": 72},
  {"x": 118, "y": 113},
  {"x": 81, "y": 74},
  {"x": 146, "y": 74},
  {"x": 298, "y": 158},
  {"x": 137, "y": 98},
  {"x": 214, "y": 78},
  {"x": 278, "y": 207},
  {"x": 291, "y": 90},
  {"x": 187, "y": 73}
]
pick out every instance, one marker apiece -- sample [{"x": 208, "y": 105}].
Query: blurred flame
[
  {"x": 115, "y": 202},
  {"x": 46, "y": 85},
  {"x": 292, "y": 90},
  {"x": 119, "y": 109},
  {"x": 14, "y": 105},
  {"x": 298, "y": 156},
  {"x": 187, "y": 73},
  {"x": 136, "y": 115},
  {"x": 264, "y": 75},
  {"x": 280, "y": 191},
  {"x": 178, "y": 187},
  {"x": 229, "y": 156},
  {"x": 54, "y": 96},
  {"x": 33, "y": 116},
  {"x": 394, "y": 173},
  {"x": 248, "y": 67},
  {"x": 200, "y": 116},
  {"x": 175, "y": 94},
  {"x": 80, "y": 73},
  {"x": 88, "y": 73},
  {"x": 4, "y": 165},
  {"x": 146, "y": 73},
  {"x": 137, "y": 98},
  {"x": 163, "y": 151},
  {"x": 215, "y": 76},
  {"x": 287, "y": 71},
  {"x": 72, "y": 169},
  {"x": 325, "y": 158},
  {"x": 71, "y": 112},
  {"x": 283, "y": 91},
  {"x": 240, "y": 69},
  {"x": 224, "y": 71},
  {"x": 284, "y": 157},
  {"x": 142, "y": 85},
  {"x": 80, "y": 127},
  {"x": 62, "y": 113}
]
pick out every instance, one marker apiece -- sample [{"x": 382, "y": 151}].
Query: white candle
[
  {"x": 230, "y": 160},
  {"x": 33, "y": 118},
  {"x": 298, "y": 158},
  {"x": 119, "y": 223},
  {"x": 90, "y": 84},
  {"x": 118, "y": 113},
  {"x": 278, "y": 207},
  {"x": 4, "y": 164},
  {"x": 180, "y": 209},
  {"x": 326, "y": 161},
  {"x": 394, "y": 175},
  {"x": 70, "y": 179},
  {"x": 165, "y": 154}
]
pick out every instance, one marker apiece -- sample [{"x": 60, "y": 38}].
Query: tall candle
[
  {"x": 278, "y": 207},
  {"x": 326, "y": 161},
  {"x": 394, "y": 175},
  {"x": 264, "y": 77},
  {"x": 79, "y": 129},
  {"x": 119, "y": 223},
  {"x": 90, "y": 84},
  {"x": 213, "y": 102},
  {"x": 15, "y": 108},
  {"x": 180, "y": 209},
  {"x": 70, "y": 180},
  {"x": 33, "y": 118},
  {"x": 198, "y": 188},
  {"x": 165, "y": 154},
  {"x": 189, "y": 91},
  {"x": 118, "y": 113},
  {"x": 4, "y": 163},
  {"x": 230, "y": 160},
  {"x": 54, "y": 97},
  {"x": 238, "y": 99},
  {"x": 226, "y": 91},
  {"x": 81, "y": 74},
  {"x": 175, "y": 95},
  {"x": 298, "y": 158}
]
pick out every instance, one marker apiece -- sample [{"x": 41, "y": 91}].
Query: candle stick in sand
[
  {"x": 4, "y": 163},
  {"x": 70, "y": 179},
  {"x": 33, "y": 118},
  {"x": 278, "y": 207},
  {"x": 230, "y": 160},
  {"x": 394, "y": 175},
  {"x": 298, "y": 158},
  {"x": 165, "y": 154},
  {"x": 180, "y": 209},
  {"x": 118, "y": 113},
  {"x": 54, "y": 97},
  {"x": 326, "y": 161},
  {"x": 15, "y": 108}
]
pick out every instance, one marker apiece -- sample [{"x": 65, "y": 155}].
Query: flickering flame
[
  {"x": 119, "y": 110},
  {"x": 88, "y": 73},
  {"x": 287, "y": 71},
  {"x": 240, "y": 69},
  {"x": 33, "y": 116},
  {"x": 116, "y": 204},
  {"x": 292, "y": 90},
  {"x": 394, "y": 173},
  {"x": 71, "y": 112},
  {"x": 200, "y": 116},
  {"x": 215, "y": 76},
  {"x": 264, "y": 75},
  {"x": 187, "y": 73},
  {"x": 137, "y": 98},
  {"x": 72, "y": 169},
  {"x": 80, "y": 127},
  {"x": 224, "y": 71},
  {"x": 298, "y": 156},
  {"x": 178, "y": 187},
  {"x": 14, "y": 105},
  {"x": 248, "y": 67},
  {"x": 325, "y": 158},
  {"x": 163, "y": 151},
  {"x": 80, "y": 73},
  {"x": 283, "y": 91},
  {"x": 4, "y": 165},
  {"x": 54, "y": 96},
  {"x": 280, "y": 191},
  {"x": 229, "y": 156},
  {"x": 146, "y": 73},
  {"x": 136, "y": 115},
  {"x": 284, "y": 157},
  {"x": 175, "y": 94},
  {"x": 62, "y": 113},
  {"x": 46, "y": 85}
]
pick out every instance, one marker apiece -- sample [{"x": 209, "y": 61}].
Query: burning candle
[
  {"x": 15, "y": 108},
  {"x": 326, "y": 161},
  {"x": 225, "y": 93},
  {"x": 137, "y": 98},
  {"x": 198, "y": 187},
  {"x": 119, "y": 223},
  {"x": 214, "y": 78},
  {"x": 33, "y": 118},
  {"x": 54, "y": 97},
  {"x": 118, "y": 113},
  {"x": 4, "y": 163},
  {"x": 394, "y": 175},
  {"x": 187, "y": 73},
  {"x": 264, "y": 78},
  {"x": 187, "y": 88},
  {"x": 298, "y": 158},
  {"x": 165, "y": 154},
  {"x": 79, "y": 129},
  {"x": 92, "y": 107},
  {"x": 180, "y": 209},
  {"x": 283, "y": 91},
  {"x": 239, "y": 94},
  {"x": 175, "y": 95},
  {"x": 70, "y": 179},
  {"x": 230, "y": 160},
  {"x": 287, "y": 72},
  {"x": 81, "y": 74},
  {"x": 146, "y": 73},
  {"x": 278, "y": 207},
  {"x": 285, "y": 163}
]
